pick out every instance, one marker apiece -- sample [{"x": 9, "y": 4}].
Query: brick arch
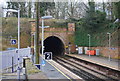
[
  {"x": 62, "y": 39},
  {"x": 63, "y": 33},
  {"x": 57, "y": 43},
  {"x": 59, "y": 35}
]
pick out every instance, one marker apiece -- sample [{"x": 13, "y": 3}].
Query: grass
[
  {"x": 10, "y": 31},
  {"x": 57, "y": 23},
  {"x": 31, "y": 69}
]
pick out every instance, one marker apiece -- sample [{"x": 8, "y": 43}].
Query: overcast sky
[{"x": 3, "y": 3}]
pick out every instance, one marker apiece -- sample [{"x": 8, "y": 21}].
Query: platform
[
  {"x": 55, "y": 71},
  {"x": 103, "y": 61},
  {"x": 51, "y": 72},
  {"x": 11, "y": 76}
]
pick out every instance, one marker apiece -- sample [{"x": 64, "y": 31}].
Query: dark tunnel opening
[{"x": 55, "y": 45}]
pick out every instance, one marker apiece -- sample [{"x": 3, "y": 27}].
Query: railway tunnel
[{"x": 55, "y": 45}]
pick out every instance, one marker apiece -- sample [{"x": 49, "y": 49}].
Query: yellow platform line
[{"x": 60, "y": 71}]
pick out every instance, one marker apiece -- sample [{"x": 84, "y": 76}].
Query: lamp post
[
  {"x": 44, "y": 17},
  {"x": 89, "y": 43},
  {"x": 17, "y": 11},
  {"x": 33, "y": 47},
  {"x": 109, "y": 42},
  {"x": 44, "y": 27},
  {"x": 69, "y": 44}
]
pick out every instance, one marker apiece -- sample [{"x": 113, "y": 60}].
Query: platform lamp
[
  {"x": 17, "y": 11},
  {"x": 69, "y": 44},
  {"x": 89, "y": 43},
  {"x": 109, "y": 42},
  {"x": 44, "y": 17}
]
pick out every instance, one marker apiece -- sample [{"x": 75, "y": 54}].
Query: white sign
[
  {"x": 48, "y": 55},
  {"x": 80, "y": 50}
]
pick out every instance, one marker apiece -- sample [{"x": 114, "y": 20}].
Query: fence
[{"x": 10, "y": 58}]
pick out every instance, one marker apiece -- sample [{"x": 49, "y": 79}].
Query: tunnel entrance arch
[{"x": 55, "y": 45}]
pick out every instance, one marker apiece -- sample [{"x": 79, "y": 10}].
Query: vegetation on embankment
[
  {"x": 98, "y": 34},
  {"x": 10, "y": 31},
  {"x": 31, "y": 68},
  {"x": 96, "y": 24},
  {"x": 99, "y": 37},
  {"x": 61, "y": 23}
]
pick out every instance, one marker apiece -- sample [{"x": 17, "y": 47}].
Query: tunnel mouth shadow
[{"x": 55, "y": 45}]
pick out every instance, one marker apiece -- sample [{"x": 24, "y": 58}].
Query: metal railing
[{"x": 10, "y": 58}]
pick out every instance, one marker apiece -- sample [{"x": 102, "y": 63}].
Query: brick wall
[
  {"x": 71, "y": 26},
  {"x": 105, "y": 51},
  {"x": 56, "y": 29}
]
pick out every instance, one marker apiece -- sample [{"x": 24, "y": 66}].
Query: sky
[{"x": 3, "y": 3}]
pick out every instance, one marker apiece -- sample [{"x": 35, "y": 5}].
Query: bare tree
[
  {"x": 70, "y": 9},
  {"x": 60, "y": 10},
  {"x": 29, "y": 9}
]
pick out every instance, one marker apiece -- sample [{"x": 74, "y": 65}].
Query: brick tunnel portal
[{"x": 55, "y": 45}]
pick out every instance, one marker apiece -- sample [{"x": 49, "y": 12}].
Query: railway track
[
  {"x": 82, "y": 70},
  {"x": 105, "y": 70}
]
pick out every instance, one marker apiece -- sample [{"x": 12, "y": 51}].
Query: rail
[{"x": 86, "y": 72}]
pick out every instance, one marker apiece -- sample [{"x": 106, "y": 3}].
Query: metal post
[
  {"x": 18, "y": 71},
  {"x": 42, "y": 37},
  {"x": 24, "y": 69},
  {"x": 34, "y": 49},
  {"x": 42, "y": 42},
  {"x": 37, "y": 33},
  {"x": 109, "y": 45},
  {"x": 32, "y": 46},
  {"x": 69, "y": 49},
  {"x": 109, "y": 57},
  {"x": 12, "y": 65},
  {"x": 89, "y": 43},
  {"x": 24, "y": 63}
]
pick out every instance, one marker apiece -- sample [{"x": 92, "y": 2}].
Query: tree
[
  {"x": 47, "y": 8},
  {"x": 103, "y": 6},
  {"x": 117, "y": 9},
  {"x": 70, "y": 10},
  {"x": 17, "y": 5},
  {"x": 94, "y": 19},
  {"x": 29, "y": 9},
  {"x": 23, "y": 9},
  {"x": 60, "y": 10},
  {"x": 13, "y": 5},
  {"x": 91, "y": 10}
]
